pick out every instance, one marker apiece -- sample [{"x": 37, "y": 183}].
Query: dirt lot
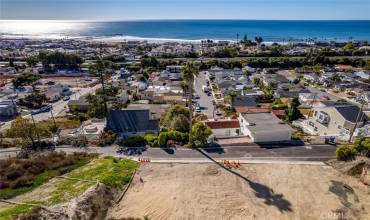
[{"x": 254, "y": 191}]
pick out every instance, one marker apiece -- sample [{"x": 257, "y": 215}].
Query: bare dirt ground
[{"x": 254, "y": 191}]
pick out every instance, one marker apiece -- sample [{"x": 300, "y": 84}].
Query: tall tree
[
  {"x": 199, "y": 134},
  {"x": 231, "y": 96},
  {"x": 25, "y": 130},
  {"x": 32, "y": 60},
  {"x": 293, "y": 113},
  {"x": 35, "y": 99},
  {"x": 189, "y": 72},
  {"x": 185, "y": 89},
  {"x": 26, "y": 79},
  {"x": 259, "y": 40}
]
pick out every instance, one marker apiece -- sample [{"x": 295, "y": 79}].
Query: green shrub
[
  {"x": 162, "y": 139},
  {"x": 362, "y": 146},
  {"x": 107, "y": 138},
  {"x": 152, "y": 140},
  {"x": 345, "y": 152},
  {"x": 132, "y": 141},
  {"x": 178, "y": 137}
]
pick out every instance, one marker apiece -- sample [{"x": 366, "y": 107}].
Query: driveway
[{"x": 205, "y": 101}]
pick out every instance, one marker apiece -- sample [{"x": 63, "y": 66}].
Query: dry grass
[{"x": 19, "y": 176}]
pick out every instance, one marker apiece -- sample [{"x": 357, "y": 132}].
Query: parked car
[
  {"x": 66, "y": 98},
  {"x": 42, "y": 109},
  {"x": 197, "y": 109}
]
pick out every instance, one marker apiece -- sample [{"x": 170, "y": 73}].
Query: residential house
[
  {"x": 173, "y": 73},
  {"x": 81, "y": 104},
  {"x": 53, "y": 96},
  {"x": 264, "y": 127},
  {"x": 128, "y": 122},
  {"x": 292, "y": 93},
  {"x": 336, "y": 120},
  {"x": 279, "y": 80},
  {"x": 308, "y": 98},
  {"x": 7, "y": 109},
  {"x": 224, "y": 128},
  {"x": 156, "y": 110},
  {"x": 363, "y": 75},
  {"x": 244, "y": 101}
]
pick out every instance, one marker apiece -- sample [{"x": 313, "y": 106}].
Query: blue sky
[{"x": 184, "y": 9}]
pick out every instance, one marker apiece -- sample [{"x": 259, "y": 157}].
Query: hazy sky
[{"x": 184, "y": 9}]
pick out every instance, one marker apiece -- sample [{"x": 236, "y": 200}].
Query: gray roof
[
  {"x": 131, "y": 120},
  {"x": 244, "y": 101},
  {"x": 265, "y": 123},
  {"x": 351, "y": 112}
]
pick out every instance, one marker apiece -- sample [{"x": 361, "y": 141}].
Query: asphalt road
[
  {"x": 205, "y": 101},
  {"x": 249, "y": 152}
]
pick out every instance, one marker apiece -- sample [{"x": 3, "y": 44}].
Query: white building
[
  {"x": 264, "y": 127},
  {"x": 224, "y": 128}
]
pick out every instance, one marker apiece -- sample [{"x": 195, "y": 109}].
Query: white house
[
  {"x": 264, "y": 127},
  {"x": 224, "y": 128},
  {"x": 363, "y": 75},
  {"x": 335, "y": 121}
]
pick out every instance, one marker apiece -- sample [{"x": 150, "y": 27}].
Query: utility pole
[
  {"x": 359, "y": 115},
  {"x": 34, "y": 125},
  {"x": 311, "y": 105}
]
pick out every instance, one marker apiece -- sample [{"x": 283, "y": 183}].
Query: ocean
[{"x": 191, "y": 30}]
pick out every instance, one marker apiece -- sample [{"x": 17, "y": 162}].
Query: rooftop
[{"x": 223, "y": 124}]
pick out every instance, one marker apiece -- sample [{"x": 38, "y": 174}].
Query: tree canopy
[
  {"x": 25, "y": 79},
  {"x": 60, "y": 60},
  {"x": 35, "y": 99},
  {"x": 199, "y": 134},
  {"x": 176, "y": 118},
  {"x": 293, "y": 113}
]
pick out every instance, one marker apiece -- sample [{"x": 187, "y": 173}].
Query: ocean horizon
[{"x": 190, "y": 29}]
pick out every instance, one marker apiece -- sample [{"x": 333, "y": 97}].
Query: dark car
[{"x": 66, "y": 98}]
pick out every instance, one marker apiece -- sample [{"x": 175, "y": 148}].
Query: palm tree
[
  {"x": 231, "y": 97},
  {"x": 189, "y": 73},
  {"x": 185, "y": 89}
]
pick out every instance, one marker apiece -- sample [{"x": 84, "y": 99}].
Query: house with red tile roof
[{"x": 224, "y": 128}]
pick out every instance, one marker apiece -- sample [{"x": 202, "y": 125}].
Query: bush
[
  {"x": 345, "y": 152},
  {"x": 362, "y": 146},
  {"x": 132, "y": 141},
  {"x": 107, "y": 138},
  {"x": 151, "y": 140},
  {"x": 178, "y": 137},
  {"x": 79, "y": 141},
  {"x": 162, "y": 139}
]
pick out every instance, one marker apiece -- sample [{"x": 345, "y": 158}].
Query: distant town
[
  {"x": 229, "y": 102},
  {"x": 307, "y": 90}
]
